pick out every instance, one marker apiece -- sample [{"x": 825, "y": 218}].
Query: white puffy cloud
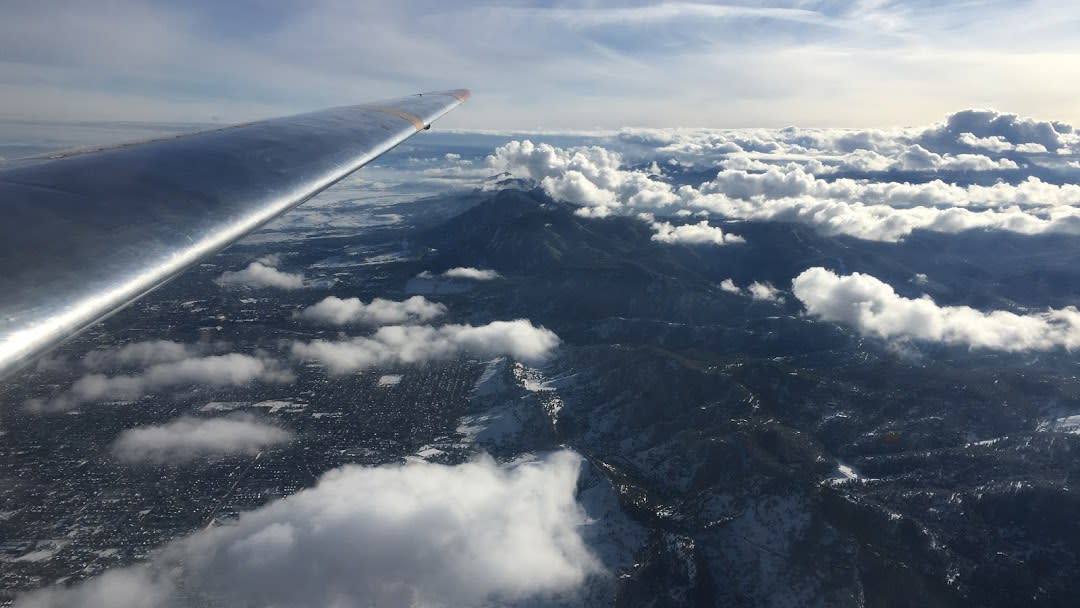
[
  {"x": 593, "y": 177},
  {"x": 473, "y": 274},
  {"x": 942, "y": 146},
  {"x": 994, "y": 143},
  {"x": 233, "y": 369},
  {"x": 976, "y": 128},
  {"x": 873, "y": 308},
  {"x": 793, "y": 181},
  {"x": 1031, "y": 148},
  {"x": 188, "y": 438},
  {"x": 260, "y": 275},
  {"x": 917, "y": 158},
  {"x": 403, "y": 344},
  {"x": 588, "y": 176},
  {"x": 417, "y": 534},
  {"x": 337, "y": 311},
  {"x": 882, "y": 222},
  {"x": 742, "y": 162},
  {"x": 693, "y": 234},
  {"x": 467, "y": 273},
  {"x": 765, "y": 292},
  {"x": 758, "y": 291}
]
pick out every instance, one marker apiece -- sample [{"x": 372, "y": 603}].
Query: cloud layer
[
  {"x": 790, "y": 175},
  {"x": 418, "y": 534},
  {"x": 187, "y": 439},
  {"x": 873, "y": 308},
  {"x": 402, "y": 344},
  {"x": 337, "y": 311}
]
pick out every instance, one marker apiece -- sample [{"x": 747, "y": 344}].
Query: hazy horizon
[{"x": 547, "y": 65}]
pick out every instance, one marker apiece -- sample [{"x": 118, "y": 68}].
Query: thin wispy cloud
[
  {"x": 411, "y": 344},
  {"x": 665, "y": 11},
  {"x": 138, "y": 354},
  {"x": 620, "y": 63},
  {"x": 216, "y": 371},
  {"x": 186, "y": 439}
]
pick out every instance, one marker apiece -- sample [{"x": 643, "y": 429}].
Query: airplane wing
[{"x": 86, "y": 232}]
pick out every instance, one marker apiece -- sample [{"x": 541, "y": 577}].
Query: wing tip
[{"x": 460, "y": 94}]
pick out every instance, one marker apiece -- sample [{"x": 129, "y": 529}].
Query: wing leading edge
[{"x": 85, "y": 233}]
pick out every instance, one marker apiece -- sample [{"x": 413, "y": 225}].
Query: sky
[{"x": 552, "y": 65}]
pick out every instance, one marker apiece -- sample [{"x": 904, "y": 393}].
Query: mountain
[{"x": 775, "y": 460}]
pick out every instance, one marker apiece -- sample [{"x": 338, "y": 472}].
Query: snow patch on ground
[
  {"x": 1067, "y": 424},
  {"x": 512, "y": 413},
  {"x": 534, "y": 381},
  {"x": 278, "y": 405},
  {"x": 273, "y": 406},
  {"x": 503, "y": 414},
  {"x": 842, "y": 474},
  {"x": 223, "y": 406}
]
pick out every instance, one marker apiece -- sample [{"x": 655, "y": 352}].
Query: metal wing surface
[{"x": 84, "y": 233}]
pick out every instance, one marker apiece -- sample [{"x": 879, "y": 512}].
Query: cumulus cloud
[
  {"x": 873, "y": 308},
  {"x": 945, "y": 146},
  {"x": 417, "y": 534},
  {"x": 995, "y": 143},
  {"x": 467, "y": 273},
  {"x": 790, "y": 191},
  {"x": 337, "y": 311},
  {"x": 188, "y": 438},
  {"x": 403, "y": 344},
  {"x": 884, "y": 222},
  {"x": 758, "y": 291},
  {"x": 992, "y": 129},
  {"x": 261, "y": 275},
  {"x": 918, "y": 158},
  {"x": 216, "y": 371},
  {"x": 473, "y": 274},
  {"x": 693, "y": 234},
  {"x": 588, "y": 176},
  {"x": 765, "y": 292}
]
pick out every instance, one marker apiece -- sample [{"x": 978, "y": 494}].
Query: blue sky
[{"x": 545, "y": 65}]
